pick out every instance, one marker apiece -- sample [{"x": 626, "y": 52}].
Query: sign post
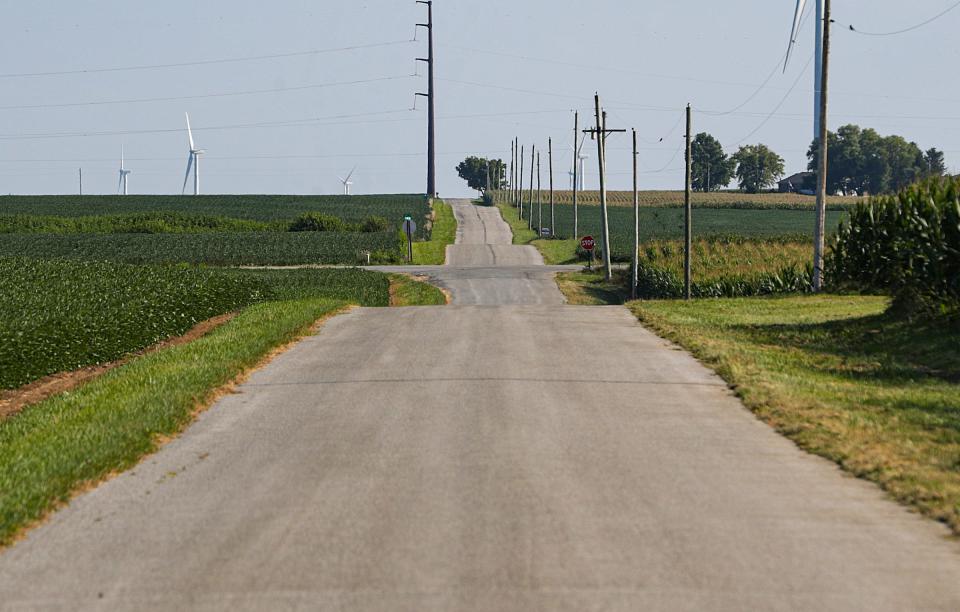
[
  {"x": 587, "y": 243},
  {"x": 409, "y": 227}
]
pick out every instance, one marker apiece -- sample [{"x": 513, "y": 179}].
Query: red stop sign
[{"x": 587, "y": 243}]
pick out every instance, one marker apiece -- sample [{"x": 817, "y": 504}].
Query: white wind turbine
[
  {"x": 193, "y": 162},
  {"x": 122, "y": 185},
  {"x": 579, "y": 158},
  {"x": 818, "y": 74},
  {"x": 347, "y": 183}
]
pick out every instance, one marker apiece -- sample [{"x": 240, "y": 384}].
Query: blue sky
[{"x": 342, "y": 91}]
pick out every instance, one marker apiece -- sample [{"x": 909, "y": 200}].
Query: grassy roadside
[
  {"x": 555, "y": 252},
  {"x": 64, "y": 443},
  {"x": 407, "y": 291},
  {"x": 590, "y": 289},
  {"x": 444, "y": 232},
  {"x": 842, "y": 379}
]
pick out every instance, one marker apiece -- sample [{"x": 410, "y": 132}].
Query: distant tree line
[{"x": 860, "y": 161}]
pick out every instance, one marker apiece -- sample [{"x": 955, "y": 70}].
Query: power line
[
  {"x": 294, "y": 122},
  {"x": 779, "y": 104},
  {"x": 202, "y": 96},
  {"x": 905, "y": 30},
  {"x": 229, "y": 60}
]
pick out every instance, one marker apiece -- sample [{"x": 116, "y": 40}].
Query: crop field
[
  {"x": 716, "y": 199},
  {"x": 226, "y": 248},
  {"x": 58, "y": 315},
  {"x": 667, "y": 224},
  {"x": 725, "y": 267},
  {"x": 249, "y": 207}
]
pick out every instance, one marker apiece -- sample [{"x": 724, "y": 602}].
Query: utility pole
[
  {"x": 688, "y": 214},
  {"x": 822, "y": 170},
  {"x": 519, "y": 202},
  {"x": 431, "y": 121},
  {"x": 533, "y": 160},
  {"x": 513, "y": 157},
  {"x": 600, "y": 134},
  {"x": 539, "y": 201},
  {"x": 576, "y": 165},
  {"x": 635, "y": 268},
  {"x": 553, "y": 215}
]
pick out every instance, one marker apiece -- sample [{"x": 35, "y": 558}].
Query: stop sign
[{"x": 587, "y": 243}]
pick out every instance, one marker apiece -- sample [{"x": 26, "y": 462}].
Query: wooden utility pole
[
  {"x": 818, "y": 229},
  {"x": 539, "y": 201},
  {"x": 600, "y": 134},
  {"x": 553, "y": 215},
  {"x": 431, "y": 120},
  {"x": 687, "y": 213},
  {"x": 520, "y": 185},
  {"x": 533, "y": 161},
  {"x": 635, "y": 268},
  {"x": 513, "y": 157},
  {"x": 576, "y": 177}
]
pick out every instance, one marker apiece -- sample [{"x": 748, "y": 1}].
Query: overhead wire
[
  {"x": 904, "y": 30},
  {"x": 228, "y": 60}
]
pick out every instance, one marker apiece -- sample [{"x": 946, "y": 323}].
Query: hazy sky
[{"x": 342, "y": 92}]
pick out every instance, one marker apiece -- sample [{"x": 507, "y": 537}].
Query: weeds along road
[{"x": 519, "y": 454}]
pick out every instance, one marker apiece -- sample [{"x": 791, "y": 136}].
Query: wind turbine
[
  {"x": 578, "y": 158},
  {"x": 347, "y": 183},
  {"x": 818, "y": 72},
  {"x": 193, "y": 162},
  {"x": 122, "y": 185}
]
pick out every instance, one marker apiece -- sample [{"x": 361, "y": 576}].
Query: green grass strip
[
  {"x": 444, "y": 232},
  {"x": 843, "y": 379},
  {"x": 56, "y": 446}
]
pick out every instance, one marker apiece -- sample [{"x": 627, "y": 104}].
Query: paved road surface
[{"x": 511, "y": 457}]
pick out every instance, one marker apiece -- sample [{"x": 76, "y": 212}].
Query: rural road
[{"x": 518, "y": 454}]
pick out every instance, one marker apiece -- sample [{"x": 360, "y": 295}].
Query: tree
[
  {"x": 758, "y": 167},
  {"x": 712, "y": 169},
  {"x": 474, "y": 171},
  {"x": 934, "y": 163},
  {"x": 862, "y": 161}
]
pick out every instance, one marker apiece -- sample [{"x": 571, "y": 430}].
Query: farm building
[{"x": 796, "y": 183}]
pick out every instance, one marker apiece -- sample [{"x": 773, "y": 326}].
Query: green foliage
[
  {"x": 227, "y": 248},
  {"x": 374, "y": 224},
  {"x": 862, "y": 161},
  {"x": 57, "y": 315},
  {"x": 725, "y": 267},
  {"x": 908, "y": 244},
  {"x": 352, "y": 209},
  {"x": 317, "y": 222},
  {"x": 712, "y": 169},
  {"x": 479, "y": 172},
  {"x": 667, "y": 223},
  {"x": 758, "y": 167},
  {"x": 160, "y": 222}
]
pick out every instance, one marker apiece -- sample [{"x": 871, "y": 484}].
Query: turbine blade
[
  {"x": 351, "y": 173},
  {"x": 120, "y": 183},
  {"x": 187, "y": 175},
  {"x": 795, "y": 30},
  {"x": 190, "y": 132}
]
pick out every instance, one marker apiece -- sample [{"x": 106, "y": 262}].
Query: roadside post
[
  {"x": 409, "y": 227},
  {"x": 587, "y": 243}
]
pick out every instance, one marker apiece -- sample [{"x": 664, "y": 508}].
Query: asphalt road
[{"x": 530, "y": 456}]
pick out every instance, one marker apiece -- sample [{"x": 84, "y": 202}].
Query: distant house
[{"x": 800, "y": 182}]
